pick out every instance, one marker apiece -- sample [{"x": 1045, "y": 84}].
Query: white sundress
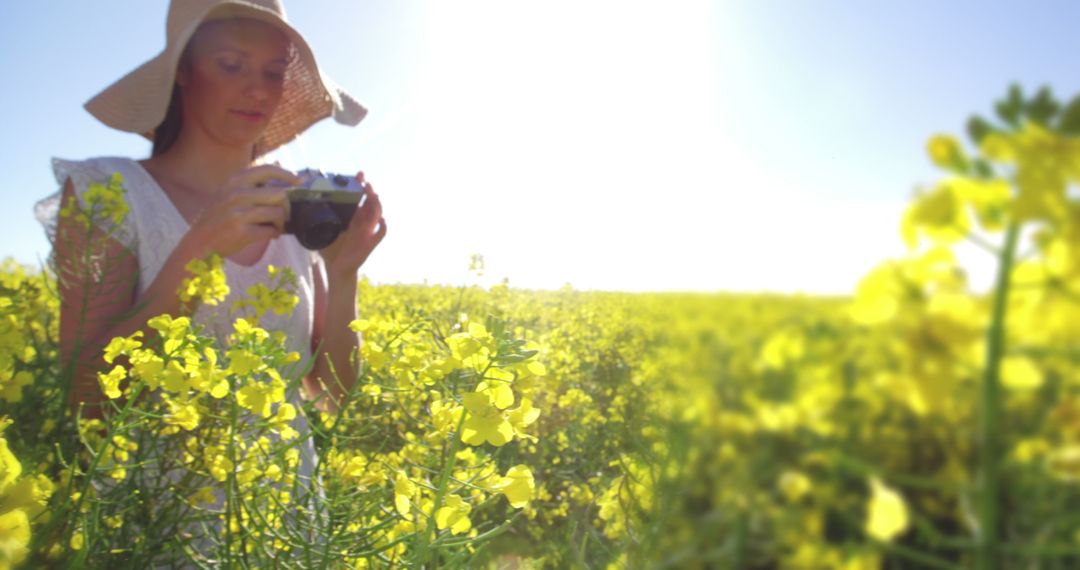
[{"x": 152, "y": 229}]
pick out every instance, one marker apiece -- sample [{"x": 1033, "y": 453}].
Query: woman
[
  {"x": 243, "y": 86},
  {"x": 234, "y": 82}
]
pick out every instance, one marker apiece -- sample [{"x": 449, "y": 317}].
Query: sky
[{"x": 686, "y": 145}]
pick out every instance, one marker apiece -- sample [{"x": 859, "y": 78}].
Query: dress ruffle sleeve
[{"x": 82, "y": 173}]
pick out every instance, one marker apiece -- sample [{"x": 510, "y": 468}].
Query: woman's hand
[
  {"x": 245, "y": 211},
  {"x": 367, "y": 228}
]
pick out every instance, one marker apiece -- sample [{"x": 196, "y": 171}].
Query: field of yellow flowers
[{"x": 913, "y": 424}]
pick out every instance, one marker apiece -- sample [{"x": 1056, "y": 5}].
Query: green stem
[
  {"x": 496, "y": 531},
  {"x": 982, "y": 243},
  {"x": 112, "y": 428},
  {"x": 742, "y": 532},
  {"x": 230, "y": 479},
  {"x": 989, "y": 429},
  {"x": 440, "y": 492},
  {"x": 923, "y": 559},
  {"x": 857, "y": 465}
]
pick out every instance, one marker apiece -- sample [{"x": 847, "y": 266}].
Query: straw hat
[{"x": 138, "y": 102}]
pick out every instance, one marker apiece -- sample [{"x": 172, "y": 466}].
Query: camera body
[{"x": 321, "y": 207}]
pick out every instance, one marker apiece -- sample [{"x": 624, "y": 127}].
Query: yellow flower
[
  {"x": 207, "y": 377},
  {"x": 77, "y": 540},
  {"x": 536, "y": 368},
  {"x": 360, "y": 325},
  {"x": 463, "y": 346},
  {"x": 122, "y": 346},
  {"x": 207, "y": 283},
  {"x": 184, "y": 415},
  {"x": 794, "y": 485},
  {"x": 782, "y": 348},
  {"x": 12, "y": 390},
  {"x": 455, "y": 515},
  {"x": 373, "y": 355},
  {"x": 244, "y": 330},
  {"x": 174, "y": 378},
  {"x": 110, "y": 383},
  {"x": 258, "y": 397},
  {"x": 887, "y": 515},
  {"x": 170, "y": 328},
  {"x": 219, "y": 466},
  {"x": 1064, "y": 462},
  {"x": 989, "y": 198},
  {"x": 147, "y": 367},
  {"x": 104, "y": 203},
  {"x": 283, "y": 418},
  {"x": 998, "y": 147},
  {"x": 1045, "y": 163},
  {"x": 14, "y": 537},
  {"x": 10, "y": 468},
  {"x": 517, "y": 486},
  {"x": 498, "y": 387},
  {"x": 265, "y": 299},
  {"x": 945, "y": 151},
  {"x": 940, "y": 214},
  {"x": 205, "y": 496},
  {"x": 522, "y": 416},
  {"x": 1029, "y": 449},
  {"x": 107, "y": 200},
  {"x": 445, "y": 416},
  {"x": 1020, "y": 373},
  {"x": 404, "y": 491},
  {"x": 29, "y": 494},
  {"x": 243, "y": 362},
  {"x": 484, "y": 421}
]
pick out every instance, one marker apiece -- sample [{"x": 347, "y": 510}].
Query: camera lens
[{"x": 316, "y": 225}]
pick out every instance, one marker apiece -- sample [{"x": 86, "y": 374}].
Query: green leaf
[
  {"x": 1009, "y": 109},
  {"x": 982, "y": 168},
  {"x": 977, "y": 128},
  {"x": 515, "y": 357},
  {"x": 1016, "y": 96},
  {"x": 1069, "y": 122},
  {"x": 1043, "y": 107},
  {"x": 496, "y": 326},
  {"x": 1006, "y": 113}
]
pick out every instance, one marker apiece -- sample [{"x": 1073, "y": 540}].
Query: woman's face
[{"x": 233, "y": 80}]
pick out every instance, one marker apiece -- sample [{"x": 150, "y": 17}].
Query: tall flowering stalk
[{"x": 1014, "y": 186}]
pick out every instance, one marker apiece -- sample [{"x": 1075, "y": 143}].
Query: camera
[{"x": 321, "y": 207}]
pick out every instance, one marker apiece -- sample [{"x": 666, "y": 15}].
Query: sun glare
[{"x": 595, "y": 122}]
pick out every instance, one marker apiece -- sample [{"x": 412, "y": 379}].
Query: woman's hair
[{"x": 169, "y": 130}]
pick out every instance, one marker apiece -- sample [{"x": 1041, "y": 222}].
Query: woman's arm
[
  {"x": 333, "y": 343},
  {"x": 97, "y": 279}
]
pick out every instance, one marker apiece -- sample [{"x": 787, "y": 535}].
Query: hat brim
[{"x": 137, "y": 102}]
